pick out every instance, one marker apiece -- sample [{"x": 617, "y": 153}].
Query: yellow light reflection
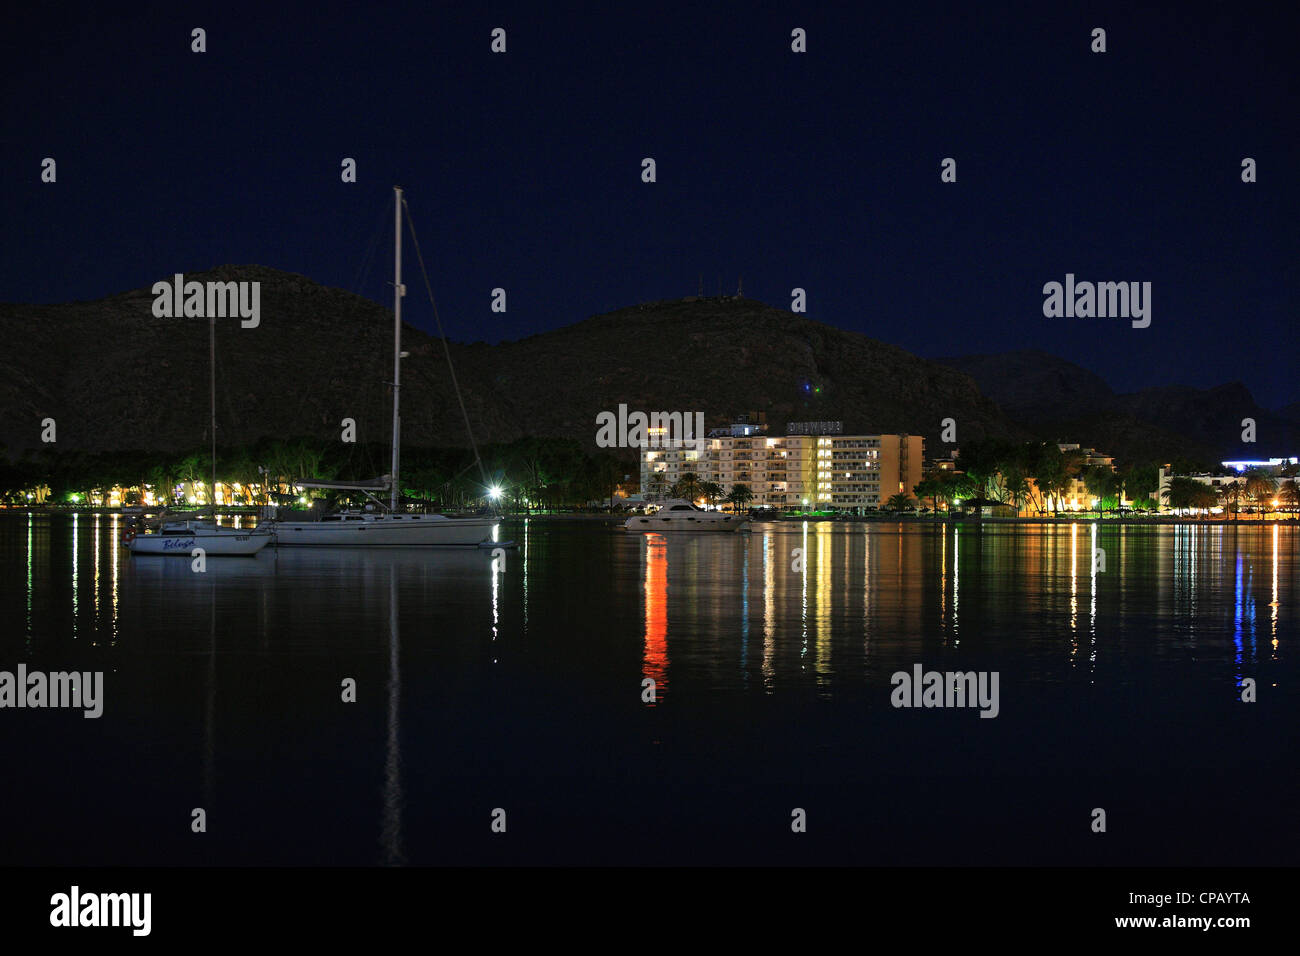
[
  {"x": 112, "y": 564},
  {"x": 822, "y": 659},
  {"x": 94, "y": 557},
  {"x": 1274, "y": 604},
  {"x": 29, "y": 582},
  {"x": 769, "y": 613},
  {"x": 956, "y": 582},
  {"x": 803, "y": 613},
  {"x": 655, "y": 663}
]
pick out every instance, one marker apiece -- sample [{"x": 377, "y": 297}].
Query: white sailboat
[
  {"x": 379, "y": 525},
  {"x": 180, "y": 536}
]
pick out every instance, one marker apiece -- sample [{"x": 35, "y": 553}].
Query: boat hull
[
  {"x": 403, "y": 531},
  {"x": 687, "y": 525},
  {"x": 183, "y": 545}
]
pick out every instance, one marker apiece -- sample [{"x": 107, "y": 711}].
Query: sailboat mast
[
  {"x": 212, "y": 363},
  {"x": 398, "y": 292}
]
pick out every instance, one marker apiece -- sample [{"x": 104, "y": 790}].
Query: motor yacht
[{"x": 680, "y": 515}]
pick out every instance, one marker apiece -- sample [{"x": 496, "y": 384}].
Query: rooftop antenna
[{"x": 740, "y": 287}]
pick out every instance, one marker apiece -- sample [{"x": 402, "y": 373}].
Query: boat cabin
[{"x": 676, "y": 504}]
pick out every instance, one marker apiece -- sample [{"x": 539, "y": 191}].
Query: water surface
[{"x": 518, "y": 684}]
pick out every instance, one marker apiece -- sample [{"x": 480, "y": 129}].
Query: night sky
[{"x": 818, "y": 170}]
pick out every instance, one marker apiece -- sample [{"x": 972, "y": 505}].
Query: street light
[{"x": 494, "y": 492}]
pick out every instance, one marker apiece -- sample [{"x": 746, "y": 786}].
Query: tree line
[
  {"x": 1040, "y": 474},
  {"x": 689, "y": 487},
  {"x": 529, "y": 473}
]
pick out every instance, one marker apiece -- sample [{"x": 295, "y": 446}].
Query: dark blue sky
[{"x": 818, "y": 170}]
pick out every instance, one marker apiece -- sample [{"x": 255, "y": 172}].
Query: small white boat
[
  {"x": 680, "y": 515},
  {"x": 182, "y": 537}
]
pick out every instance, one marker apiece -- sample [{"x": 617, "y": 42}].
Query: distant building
[
  {"x": 751, "y": 423},
  {"x": 1089, "y": 456},
  {"x": 1236, "y": 473},
  {"x": 822, "y": 471},
  {"x": 1270, "y": 466}
]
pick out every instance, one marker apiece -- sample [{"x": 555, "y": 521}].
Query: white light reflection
[
  {"x": 769, "y": 613},
  {"x": 75, "y": 523},
  {"x": 1092, "y": 603},
  {"x": 391, "y": 836}
]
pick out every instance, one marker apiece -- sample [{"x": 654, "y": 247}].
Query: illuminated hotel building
[{"x": 826, "y": 471}]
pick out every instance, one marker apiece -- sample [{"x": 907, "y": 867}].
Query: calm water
[{"x": 521, "y": 688}]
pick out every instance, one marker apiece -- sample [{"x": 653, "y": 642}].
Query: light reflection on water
[
  {"x": 1100, "y": 594},
  {"x": 391, "y": 835},
  {"x": 701, "y": 599},
  {"x": 586, "y": 613}
]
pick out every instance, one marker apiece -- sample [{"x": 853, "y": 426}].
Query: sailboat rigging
[
  {"x": 182, "y": 537},
  {"x": 385, "y": 527}
]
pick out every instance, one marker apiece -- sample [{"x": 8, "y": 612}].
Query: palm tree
[
  {"x": 1230, "y": 494},
  {"x": 1260, "y": 487},
  {"x": 984, "y": 463},
  {"x": 1204, "y": 497},
  {"x": 1187, "y": 494},
  {"x": 658, "y": 481},
  {"x": 1046, "y": 465},
  {"x": 1172, "y": 495},
  {"x": 1017, "y": 487},
  {"x": 712, "y": 491},
  {"x": 1058, "y": 485},
  {"x": 1289, "y": 495},
  {"x": 688, "y": 487},
  {"x": 740, "y": 496},
  {"x": 1102, "y": 482},
  {"x": 899, "y": 502}
]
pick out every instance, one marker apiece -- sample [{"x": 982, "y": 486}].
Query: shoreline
[{"x": 619, "y": 518}]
